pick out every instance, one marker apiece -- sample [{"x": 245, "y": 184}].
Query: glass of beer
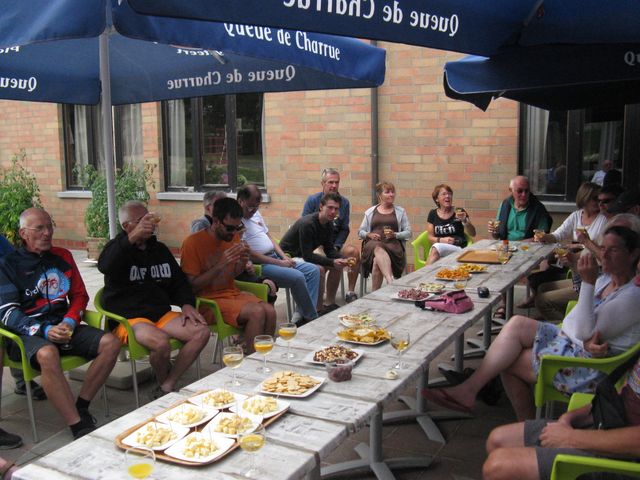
[
  {"x": 263, "y": 345},
  {"x": 287, "y": 331}
]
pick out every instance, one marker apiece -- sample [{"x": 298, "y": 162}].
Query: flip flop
[
  {"x": 440, "y": 397},
  {"x": 500, "y": 313},
  {"x": 6, "y": 467}
]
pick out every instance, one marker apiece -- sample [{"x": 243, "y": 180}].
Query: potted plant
[
  {"x": 130, "y": 184},
  {"x": 19, "y": 190}
]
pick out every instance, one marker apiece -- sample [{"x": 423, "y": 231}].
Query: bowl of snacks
[{"x": 339, "y": 370}]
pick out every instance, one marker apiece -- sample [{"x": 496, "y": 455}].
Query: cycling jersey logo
[{"x": 53, "y": 284}]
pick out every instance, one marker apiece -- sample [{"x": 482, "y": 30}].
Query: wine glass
[
  {"x": 503, "y": 255},
  {"x": 232, "y": 357},
  {"x": 460, "y": 283},
  {"x": 387, "y": 230},
  {"x": 67, "y": 345},
  {"x": 288, "y": 331},
  {"x": 400, "y": 342},
  {"x": 538, "y": 235},
  {"x": 139, "y": 461},
  {"x": 251, "y": 442},
  {"x": 263, "y": 344},
  {"x": 351, "y": 262},
  {"x": 560, "y": 251}
]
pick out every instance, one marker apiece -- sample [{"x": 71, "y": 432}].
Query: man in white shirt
[
  {"x": 301, "y": 277},
  {"x": 598, "y": 177}
]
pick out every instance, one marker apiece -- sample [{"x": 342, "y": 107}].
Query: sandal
[
  {"x": 6, "y": 467},
  {"x": 500, "y": 313}
]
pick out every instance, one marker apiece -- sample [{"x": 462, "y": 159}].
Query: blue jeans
[{"x": 304, "y": 282}]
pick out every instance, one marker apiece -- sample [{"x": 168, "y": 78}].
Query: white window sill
[
  {"x": 74, "y": 194},
  {"x": 196, "y": 196}
]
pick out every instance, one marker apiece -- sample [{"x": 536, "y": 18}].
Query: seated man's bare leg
[
  {"x": 321, "y": 288},
  {"x": 351, "y": 251},
  {"x": 506, "y": 436},
  {"x": 510, "y": 463},
  {"x": 157, "y": 341},
  {"x": 253, "y": 320},
  {"x": 98, "y": 372},
  {"x": 333, "y": 282},
  {"x": 55, "y": 384},
  {"x": 194, "y": 338}
]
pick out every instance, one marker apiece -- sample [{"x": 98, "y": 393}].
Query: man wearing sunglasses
[
  {"x": 212, "y": 259},
  {"x": 142, "y": 280}
]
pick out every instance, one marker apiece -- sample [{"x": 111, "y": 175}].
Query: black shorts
[
  {"x": 84, "y": 342},
  {"x": 545, "y": 456}
]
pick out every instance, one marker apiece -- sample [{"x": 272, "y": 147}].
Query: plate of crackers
[
  {"x": 473, "y": 268},
  {"x": 291, "y": 384},
  {"x": 372, "y": 335},
  {"x": 452, "y": 274},
  {"x": 356, "y": 320},
  {"x": 332, "y": 353}
]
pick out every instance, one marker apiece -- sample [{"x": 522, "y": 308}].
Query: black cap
[{"x": 625, "y": 201}]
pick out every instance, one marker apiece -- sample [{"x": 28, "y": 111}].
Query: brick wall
[{"x": 425, "y": 139}]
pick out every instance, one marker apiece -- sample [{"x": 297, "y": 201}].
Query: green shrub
[{"x": 19, "y": 190}]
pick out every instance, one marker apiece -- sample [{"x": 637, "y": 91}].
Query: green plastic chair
[
  {"x": 223, "y": 330},
  {"x": 570, "y": 467},
  {"x": 422, "y": 246},
  {"x": 68, "y": 362},
  {"x": 545, "y": 392},
  {"x": 136, "y": 351}
]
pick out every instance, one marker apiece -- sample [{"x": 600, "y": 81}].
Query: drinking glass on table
[
  {"x": 251, "y": 442},
  {"x": 139, "y": 461},
  {"x": 460, "y": 283},
  {"x": 232, "y": 357},
  {"x": 263, "y": 345},
  {"x": 400, "y": 342},
  {"x": 503, "y": 255},
  {"x": 287, "y": 331}
]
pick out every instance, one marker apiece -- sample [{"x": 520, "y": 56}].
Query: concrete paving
[{"x": 460, "y": 458}]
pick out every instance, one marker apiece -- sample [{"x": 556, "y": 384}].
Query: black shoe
[
  {"x": 329, "y": 308},
  {"x": 350, "y": 297},
  {"x": 81, "y": 430},
  {"x": 9, "y": 440},
  {"x": 37, "y": 392},
  {"x": 86, "y": 417}
]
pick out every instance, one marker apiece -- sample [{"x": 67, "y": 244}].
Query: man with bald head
[
  {"x": 42, "y": 299},
  {"x": 520, "y": 213},
  {"x": 142, "y": 280}
]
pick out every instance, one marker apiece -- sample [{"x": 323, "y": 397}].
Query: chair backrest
[
  {"x": 570, "y": 467},
  {"x": 421, "y": 246}
]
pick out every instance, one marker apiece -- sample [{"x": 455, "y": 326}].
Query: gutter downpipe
[{"x": 374, "y": 140}]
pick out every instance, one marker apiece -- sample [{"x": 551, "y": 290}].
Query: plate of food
[
  {"x": 432, "y": 287},
  {"x": 200, "y": 447},
  {"x": 372, "y": 335},
  {"x": 452, "y": 274},
  {"x": 512, "y": 248},
  {"x": 218, "y": 398},
  {"x": 411, "y": 295},
  {"x": 230, "y": 424},
  {"x": 473, "y": 268},
  {"x": 290, "y": 384},
  {"x": 187, "y": 415},
  {"x": 333, "y": 352},
  {"x": 156, "y": 436},
  {"x": 262, "y": 405},
  {"x": 356, "y": 320}
]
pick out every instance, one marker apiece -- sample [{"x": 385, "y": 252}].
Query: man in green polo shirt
[{"x": 520, "y": 214}]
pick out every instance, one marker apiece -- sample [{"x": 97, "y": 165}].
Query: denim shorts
[{"x": 84, "y": 342}]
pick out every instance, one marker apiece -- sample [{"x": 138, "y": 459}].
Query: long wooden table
[{"x": 317, "y": 425}]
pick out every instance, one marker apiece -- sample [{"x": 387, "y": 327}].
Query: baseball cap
[{"x": 625, "y": 201}]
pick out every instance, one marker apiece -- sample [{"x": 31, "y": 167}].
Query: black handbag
[{"x": 607, "y": 407}]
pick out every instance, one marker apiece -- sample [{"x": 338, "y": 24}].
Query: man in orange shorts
[
  {"x": 212, "y": 258},
  {"x": 141, "y": 281}
]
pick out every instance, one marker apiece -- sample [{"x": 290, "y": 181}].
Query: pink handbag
[{"x": 451, "y": 302}]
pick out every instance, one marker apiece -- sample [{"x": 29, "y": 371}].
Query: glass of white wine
[
  {"x": 400, "y": 340},
  {"x": 287, "y": 331},
  {"x": 503, "y": 255},
  {"x": 232, "y": 357},
  {"x": 561, "y": 251},
  {"x": 139, "y": 461},
  {"x": 251, "y": 442},
  {"x": 263, "y": 344}
]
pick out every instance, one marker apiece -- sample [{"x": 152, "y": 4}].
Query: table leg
[
  {"x": 480, "y": 349},
  {"x": 371, "y": 457}
]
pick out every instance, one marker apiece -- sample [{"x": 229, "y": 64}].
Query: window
[
  {"x": 213, "y": 142},
  {"x": 83, "y": 146},
  {"x": 561, "y": 149}
]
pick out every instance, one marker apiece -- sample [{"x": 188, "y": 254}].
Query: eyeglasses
[
  {"x": 522, "y": 190},
  {"x": 233, "y": 228},
  {"x": 604, "y": 201},
  {"x": 42, "y": 228}
]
